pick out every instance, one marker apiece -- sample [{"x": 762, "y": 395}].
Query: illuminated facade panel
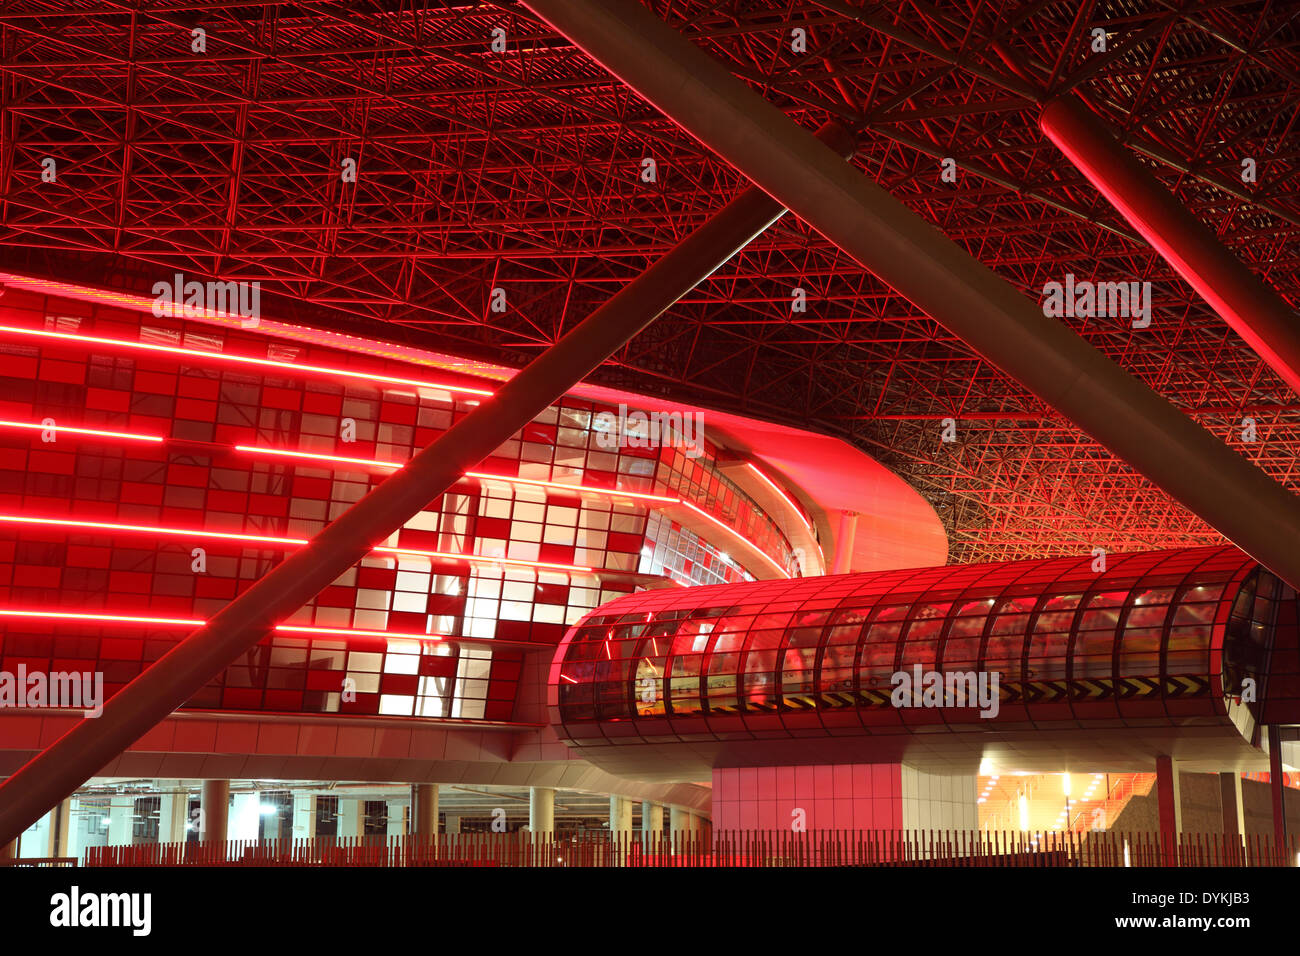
[{"x": 155, "y": 468}]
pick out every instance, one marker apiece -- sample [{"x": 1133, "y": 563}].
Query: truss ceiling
[{"x": 521, "y": 170}]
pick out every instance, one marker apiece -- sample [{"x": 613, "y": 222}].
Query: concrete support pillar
[
  {"x": 352, "y": 818},
  {"x": 121, "y": 821},
  {"x": 652, "y": 822},
  {"x": 214, "y": 810},
  {"x": 541, "y": 809},
  {"x": 620, "y": 814},
  {"x": 1169, "y": 803},
  {"x": 679, "y": 820},
  {"x": 844, "y": 540},
  {"x": 1230, "y": 799},
  {"x": 424, "y": 809},
  {"x": 173, "y": 811},
  {"x": 1275, "y": 785}
]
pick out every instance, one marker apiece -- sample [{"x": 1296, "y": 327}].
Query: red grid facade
[{"x": 139, "y": 483}]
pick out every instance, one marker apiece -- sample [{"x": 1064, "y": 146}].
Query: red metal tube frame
[
  {"x": 937, "y": 275},
  {"x": 1255, "y": 311}
]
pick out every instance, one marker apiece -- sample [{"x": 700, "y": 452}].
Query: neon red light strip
[
  {"x": 284, "y": 542},
  {"x": 196, "y": 622},
  {"x": 107, "y": 618},
  {"x": 364, "y": 462},
  {"x": 100, "y": 433},
  {"x": 241, "y": 359},
  {"x": 736, "y": 534}
]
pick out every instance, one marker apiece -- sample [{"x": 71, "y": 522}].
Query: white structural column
[
  {"x": 173, "y": 810},
  {"x": 679, "y": 820},
  {"x": 845, "y": 537},
  {"x": 352, "y": 818},
  {"x": 424, "y": 810},
  {"x": 541, "y": 809},
  {"x": 304, "y": 816},
  {"x": 652, "y": 823},
  {"x": 620, "y": 814}
]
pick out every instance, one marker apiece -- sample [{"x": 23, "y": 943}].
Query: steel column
[
  {"x": 1255, "y": 311},
  {"x": 937, "y": 275},
  {"x": 1169, "y": 807},
  {"x": 1276, "y": 785},
  {"x": 214, "y": 810},
  {"x": 56, "y": 772}
]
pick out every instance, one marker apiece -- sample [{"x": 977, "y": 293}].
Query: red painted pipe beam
[
  {"x": 85, "y": 749},
  {"x": 1046, "y": 356},
  {"x": 1256, "y": 312}
]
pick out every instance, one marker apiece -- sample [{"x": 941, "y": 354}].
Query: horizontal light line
[
  {"x": 732, "y": 531},
  {"x": 109, "y": 618},
  {"x": 241, "y": 359},
  {"x": 316, "y": 456},
  {"x": 361, "y": 632},
  {"x": 77, "y": 430},
  {"x": 195, "y": 622},
  {"x": 286, "y": 542},
  {"x": 150, "y": 529}
]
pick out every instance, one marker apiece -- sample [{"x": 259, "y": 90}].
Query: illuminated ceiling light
[
  {"x": 240, "y": 359},
  {"x": 77, "y": 430}
]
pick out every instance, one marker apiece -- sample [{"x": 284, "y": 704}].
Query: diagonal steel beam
[
  {"x": 57, "y": 771},
  {"x": 934, "y": 273},
  {"x": 1256, "y": 312}
]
